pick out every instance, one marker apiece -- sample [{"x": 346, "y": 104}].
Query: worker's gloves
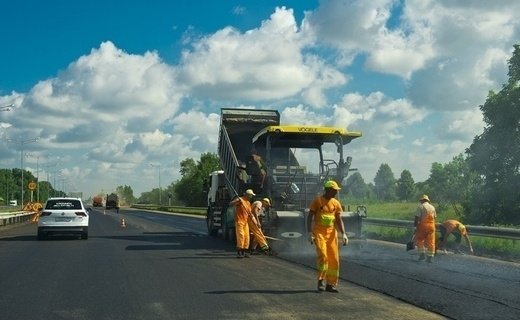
[
  {"x": 345, "y": 239},
  {"x": 311, "y": 237}
]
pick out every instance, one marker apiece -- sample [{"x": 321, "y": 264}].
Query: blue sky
[{"x": 110, "y": 88}]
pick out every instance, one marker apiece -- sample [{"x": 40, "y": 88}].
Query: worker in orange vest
[
  {"x": 458, "y": 230},
  {"x": 425, "y": 229},
  {"x": 323, "y": 223},
  {"x": 242, "y": 213}
]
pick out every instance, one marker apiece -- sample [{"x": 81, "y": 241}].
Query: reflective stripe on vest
[{"x": 327, "y": 219}]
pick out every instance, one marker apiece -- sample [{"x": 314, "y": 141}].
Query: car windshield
[{"x": 63, "y": 204}]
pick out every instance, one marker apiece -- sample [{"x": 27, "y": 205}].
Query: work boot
[
  {"x": 422, "y": 256},
  {"x": 321, "y": 285},
  {"x": 331, "y": 288},
  {"x": 239, "y": 254},
  {"x": 268, "y": 251},
  {"x": 245, "y": 254},
  {"x": 429, "y": 259}
]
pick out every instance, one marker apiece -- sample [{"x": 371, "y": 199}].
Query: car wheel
[
  {"x": 41, "y": 234},
  {"x": 84, "y": 234}
]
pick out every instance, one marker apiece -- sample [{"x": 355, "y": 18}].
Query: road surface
[{"x": 165, "y": 267}]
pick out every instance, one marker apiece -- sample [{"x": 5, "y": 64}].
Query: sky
[{"x": 120, "y": 95}]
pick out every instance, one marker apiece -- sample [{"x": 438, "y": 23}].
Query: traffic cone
[{"x": 123, "y": 224}]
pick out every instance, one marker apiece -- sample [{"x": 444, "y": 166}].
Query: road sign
[{"x": 32, "y": 185}]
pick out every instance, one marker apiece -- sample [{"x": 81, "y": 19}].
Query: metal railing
[
  {"x": 482, "y": 231},
  {"x": 16, "y": 217}
]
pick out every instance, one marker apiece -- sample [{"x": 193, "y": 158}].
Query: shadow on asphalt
[
  {"x": 171, "y": 241},
  {"x": 34, "y": 238},
  {"x": 263, "y": 291},
  {"x": 19, "y": 238}
]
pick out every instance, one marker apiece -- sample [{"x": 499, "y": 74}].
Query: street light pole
[
  {"x": 48, "y": 165},
  {"x": 37, "y": 176},
  {"x": 22, "y": 143},
  {"x": 159, "y": 168}
]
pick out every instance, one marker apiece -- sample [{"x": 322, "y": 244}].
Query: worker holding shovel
[
  {"x": 425, "y": 229},
  {"x": 242, "y": 213},
  {"x": 246, "y": 222},
  {"x": 255, "y": 226}
]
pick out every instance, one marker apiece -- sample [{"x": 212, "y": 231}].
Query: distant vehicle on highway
[
  {"x": 13, "y": 203},
  {"x": 97, "y": 201},
  {"x": 112, "y": 202},
  {"x": 63, "y": 216}
]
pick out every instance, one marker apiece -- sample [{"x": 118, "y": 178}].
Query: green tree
[
  {"x": 189, "y": 189},
  {"x": 385, "y": 183},
  {"x": 126, "y": 194},
  {"x": 356, "y": 187},
  {"x": 495, "y": 154},
  {"x": 405, "y": 186},
  {"x": 452, "y": 183}
]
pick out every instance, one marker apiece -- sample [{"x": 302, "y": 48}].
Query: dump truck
[
  {"x": 296, "y": 161},
  {"x": 97, "y": 201},
  {"x": 112, "y": 202}
]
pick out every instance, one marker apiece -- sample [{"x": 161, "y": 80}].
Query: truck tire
[
  {"x": 227, "y": 232},
  {"x": 225, "y": 229},
  {"x": 212, "y": 231}
]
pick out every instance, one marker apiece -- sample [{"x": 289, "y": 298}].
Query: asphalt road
[{"x": 165, "y": 267}]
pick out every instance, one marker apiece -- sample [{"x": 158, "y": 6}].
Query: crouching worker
[
  {"x": 323, "y": 223},
  {"x": 458, "y": 230}
]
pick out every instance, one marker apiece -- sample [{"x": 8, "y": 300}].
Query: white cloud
[
  {"x": 461, "y": 126},
  {"x": 261, "y": 64},
  {"x": 110, "y": 113}
]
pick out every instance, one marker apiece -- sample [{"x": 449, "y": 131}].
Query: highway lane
[
  {"x": 165, "y": 267},
  {"x": 456, "y": 286}
]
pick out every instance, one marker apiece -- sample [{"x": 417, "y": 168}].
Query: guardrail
[
  {"x": 482, "y": 231},
  {"x": 16, "y": 217}
]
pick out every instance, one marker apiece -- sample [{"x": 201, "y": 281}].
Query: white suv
[{"x": 65, "y": 216}]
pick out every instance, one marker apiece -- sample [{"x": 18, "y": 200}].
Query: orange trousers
[
  {"x": 425, "y": 238},
  {"x": 327, "y": 254},
  {"x": 242, "y": 234},
  {"x": 258, "y": 235}
]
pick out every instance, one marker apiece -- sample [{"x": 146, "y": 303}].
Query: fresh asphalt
[{"x": 166, "y": 267}]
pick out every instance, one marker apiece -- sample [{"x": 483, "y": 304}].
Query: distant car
[{"x": 63, "y": 216}]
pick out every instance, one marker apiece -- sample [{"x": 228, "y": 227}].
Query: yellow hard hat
[
  {"x": 331, "y": 184},
  {"x": 250, "y": 192},
  {"x": 424, "y": 198},
  {"x": 267, "y": 201}
]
